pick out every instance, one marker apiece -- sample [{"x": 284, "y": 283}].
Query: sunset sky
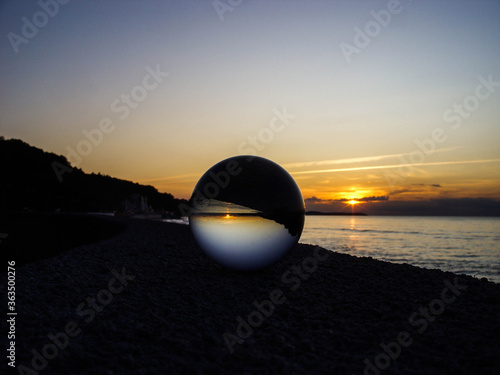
[{"x": 371, "y": 100}]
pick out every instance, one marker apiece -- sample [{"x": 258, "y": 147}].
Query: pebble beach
[{"x": 147, "y": 300}]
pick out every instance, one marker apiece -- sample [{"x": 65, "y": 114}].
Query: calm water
[{"x": 457, "y": 244}]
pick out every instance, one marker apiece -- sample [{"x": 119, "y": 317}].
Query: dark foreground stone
[{"x": 147, "y": 301}]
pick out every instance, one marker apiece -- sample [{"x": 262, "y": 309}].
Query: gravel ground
[{"x": 147, "y": 301}]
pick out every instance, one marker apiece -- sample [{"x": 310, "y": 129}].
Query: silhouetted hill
[{"x": 28, "y": 181}]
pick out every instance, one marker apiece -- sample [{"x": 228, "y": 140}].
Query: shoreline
[
  {"x": 481, "y": 266},
  {"x": 314, "y": 311}
]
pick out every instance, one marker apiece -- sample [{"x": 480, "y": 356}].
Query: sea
[{"x": 464, "y": 245}]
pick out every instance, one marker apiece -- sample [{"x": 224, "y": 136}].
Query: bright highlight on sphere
[{"x": 247, "y": 212}]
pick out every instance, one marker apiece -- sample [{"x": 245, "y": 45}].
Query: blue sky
[{"x": 227, "y": 79}]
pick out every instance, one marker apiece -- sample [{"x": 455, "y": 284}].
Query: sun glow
[
  {"x": 228, "y": 216},
  {"x": 352, "y": 202}
]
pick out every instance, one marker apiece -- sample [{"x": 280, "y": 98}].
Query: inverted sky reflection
[{"x": 242, "y": 242}]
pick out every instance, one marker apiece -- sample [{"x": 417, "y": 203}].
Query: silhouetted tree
[{"x": 28, "y": 181}]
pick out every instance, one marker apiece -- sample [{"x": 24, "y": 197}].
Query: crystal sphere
[{"x": 246, "y": 212}]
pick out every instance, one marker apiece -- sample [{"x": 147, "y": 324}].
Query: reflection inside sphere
[{"x": 247, "y": 213}]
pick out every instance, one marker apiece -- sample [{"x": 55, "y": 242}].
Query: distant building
[{"x": 136, "y": 204}]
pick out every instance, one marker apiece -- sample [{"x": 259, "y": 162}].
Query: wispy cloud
[
  {"x": 373, "y": 198},
  {"x": 364, "y": 159},
  {"x": 429, "y": 185},
  {"x": 395, "y": 166}
]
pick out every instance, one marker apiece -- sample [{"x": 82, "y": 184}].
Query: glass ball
[{"x": 246, "y": 213}]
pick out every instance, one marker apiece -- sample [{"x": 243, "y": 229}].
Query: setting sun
[{"x": 353, "y": 202}]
